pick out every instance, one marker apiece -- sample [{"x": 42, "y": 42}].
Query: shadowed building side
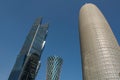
[
  {"x": 54, "y": 64},
  {"x": 99, "y": 48},
  {"x": 28, "y": 61}
]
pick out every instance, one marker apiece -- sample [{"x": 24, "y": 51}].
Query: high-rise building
[
  {"x": 54, "y": 64},
  {"x": 99, "y": 48},
  {"x": 28, "y": 61}
]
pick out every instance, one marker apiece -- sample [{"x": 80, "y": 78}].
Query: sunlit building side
[{"x": 99, "y": 48}]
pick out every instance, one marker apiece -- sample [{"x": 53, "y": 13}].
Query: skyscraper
[
  {"x": 99, "y": 48},
  {"x": 54, "y": 64},
  {"x": 28, "y": 61}
]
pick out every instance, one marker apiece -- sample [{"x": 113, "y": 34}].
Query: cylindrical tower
[
  {"x": 99, "y": 48},
  {"x": 54, "y": 64}
]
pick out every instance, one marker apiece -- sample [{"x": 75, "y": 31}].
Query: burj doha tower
[
  {"x": 28, "y": 61},
  {"x": 99, "y": 48}
]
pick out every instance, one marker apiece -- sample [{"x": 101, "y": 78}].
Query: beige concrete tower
[{"x": 99, "y": 48}]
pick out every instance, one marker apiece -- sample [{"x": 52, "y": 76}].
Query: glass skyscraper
[
  {"x": 28, "y": 61},
  {"x": 54, "y": 64},
  {"x": 99, "y": 48}
]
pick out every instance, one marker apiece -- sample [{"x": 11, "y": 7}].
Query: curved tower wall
[
  {"x": 99, "y": 48},
  {"x": 54, "y": 64}
]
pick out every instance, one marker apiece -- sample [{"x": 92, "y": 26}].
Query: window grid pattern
[
  {"x": 99, "y": 47},
  {"x": 54, "y": 64}
]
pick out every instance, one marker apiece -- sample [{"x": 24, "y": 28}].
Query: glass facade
[
  {"x": 54, "y": 64},
  {"x": 99, "y": 47},
  {"x": 28, "y": 61}
]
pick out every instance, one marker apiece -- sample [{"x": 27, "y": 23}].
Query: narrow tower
[
  {"x": 99, "y": 48},
  {"x": 54, "y": 64},
  {"x": 28, "y": 61}
]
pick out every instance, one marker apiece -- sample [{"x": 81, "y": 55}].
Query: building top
[
  {"x": 87, "y": 5},
  {"x": 55, "y": 57},
  {"x": 35, "y": 40}
]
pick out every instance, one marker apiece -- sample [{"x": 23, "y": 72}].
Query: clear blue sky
[{"x": 17, "y": 16}]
